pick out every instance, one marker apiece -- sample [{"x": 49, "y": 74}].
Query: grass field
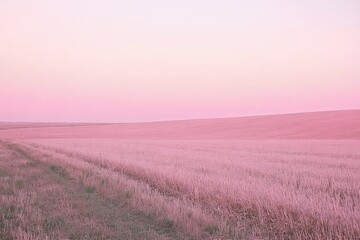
[{"x": 274, "y": 177}]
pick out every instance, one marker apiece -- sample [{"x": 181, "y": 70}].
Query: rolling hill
[{"x": 316, "y": 125}]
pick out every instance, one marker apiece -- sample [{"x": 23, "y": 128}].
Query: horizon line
[{"x": 181, "y": 120}]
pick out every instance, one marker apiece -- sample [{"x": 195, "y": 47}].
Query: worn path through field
[{"x": 40, "y": 200}]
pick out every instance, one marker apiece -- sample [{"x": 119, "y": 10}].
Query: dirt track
[{"x": 41, "y": 200}]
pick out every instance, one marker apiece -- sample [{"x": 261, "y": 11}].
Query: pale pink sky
[{"x": 123, "y": 61}]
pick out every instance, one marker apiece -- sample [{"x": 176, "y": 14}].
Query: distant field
[
  {"x": 268, "y": 177},
  {"x": 318, "y": 125},
  {"x": 15, "y": 125}
]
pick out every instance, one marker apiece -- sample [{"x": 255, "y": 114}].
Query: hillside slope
[{"x": 316, "y": 125}]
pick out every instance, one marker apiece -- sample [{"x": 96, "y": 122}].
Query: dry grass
[
  {"x": 227, "y": 189},
  {"x": 40, "y": 199},
  {"x": 198, "y": 177}
]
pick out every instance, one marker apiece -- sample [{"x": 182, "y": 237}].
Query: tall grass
[{"x": 228, "y": 189}]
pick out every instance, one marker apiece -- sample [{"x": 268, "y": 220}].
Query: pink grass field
[
  {"x": 292, "y": 176},
  {"x": 316, "y": 125}
]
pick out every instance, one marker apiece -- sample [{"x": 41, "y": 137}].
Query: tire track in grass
[
  {"x": 135, "y": 192},
  {"x": 40, "y": 200}
]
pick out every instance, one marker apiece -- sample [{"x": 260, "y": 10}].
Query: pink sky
[{"x": 124, "y": 61}]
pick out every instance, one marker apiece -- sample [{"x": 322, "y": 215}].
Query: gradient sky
[{"x": 124, "y": 61}]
